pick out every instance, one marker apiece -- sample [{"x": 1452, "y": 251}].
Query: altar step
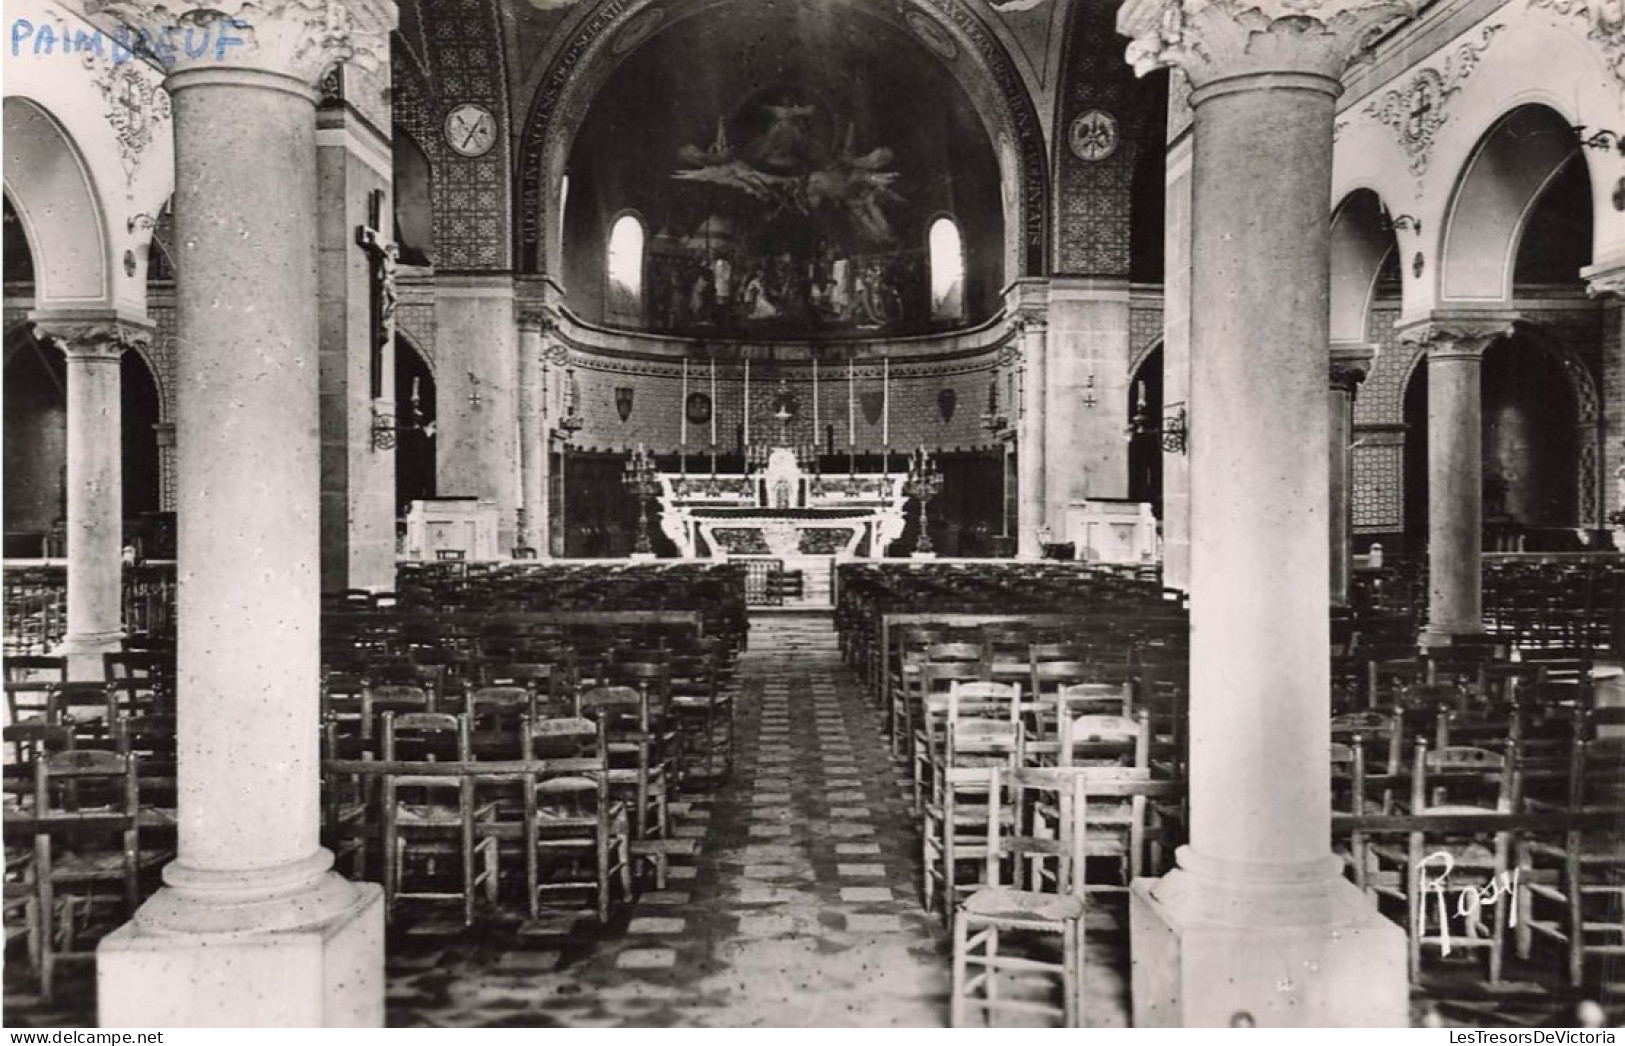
[{"x": 817, "y": 584}]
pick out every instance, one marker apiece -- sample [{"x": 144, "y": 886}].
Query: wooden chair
[
  {"x": 569, "y": 812},
  {"x": 702, "y": 711},
  {"x": 926, "y": 714},
  {"x": 638, "y": 768},
  {"x": 954, "y": 827},
  {"x": 1436, "y": 864},
  {"x": 433, "y": 817},
  {"x": 1572, "y": 883},
  {"x": 1033, "y": 886},
  {"x": 87, "y": 850}
]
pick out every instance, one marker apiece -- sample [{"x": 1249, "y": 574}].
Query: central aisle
[{"x": 798, "y": 906}]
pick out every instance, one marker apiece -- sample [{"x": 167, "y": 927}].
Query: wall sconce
[
  {"x": 1400, "y": 222},
  {"x": 384, "y": 434},
  {"x": 1170, "y": 429},
  {"x": 1604, "y": 139}
]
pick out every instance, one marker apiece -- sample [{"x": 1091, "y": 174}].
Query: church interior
[{"x": 808, "y": 513}]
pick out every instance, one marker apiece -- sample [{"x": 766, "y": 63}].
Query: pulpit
[
  {"x": 1112, "y": 530},
  {"x": 466, "y": 525}
]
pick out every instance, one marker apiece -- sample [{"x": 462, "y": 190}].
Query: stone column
[
  {"x": 1257, "y": 918},
  {"x": 1349, "y": 366},
  {"x": 1607, "y": 282},
  {"x": 95, "y": 488},
  {"x": 1455, "y": 351},
  {"x": 533, "y": 440},
  {"x": 1085, "y": 395},
  {"x": 252, "y": 926},
  {"x": 1026, "y": 301}
]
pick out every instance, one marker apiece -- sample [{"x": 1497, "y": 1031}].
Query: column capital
[
  {"x": 300, "y": 39},
  {"x": 1456, "y": 337},
  {"x": 543, "y": 319},
  {"x": 1348, "y": 365},
  {"x": 1217, "y": 40},
  {"x": 93, "y": 339},
  {"x": 556, "y": 354},
  {"x": 1605, "y": 281}
]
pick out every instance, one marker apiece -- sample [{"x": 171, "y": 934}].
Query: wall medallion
[
  {"x": 947, "y": 402},
  {"x": 698, "y": 408},
  {"x": 471, "y": 130},
  {"x": 1093, "y": 136}
]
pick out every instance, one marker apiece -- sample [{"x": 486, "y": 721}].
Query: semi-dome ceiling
[{"x": 786, "y": 164}]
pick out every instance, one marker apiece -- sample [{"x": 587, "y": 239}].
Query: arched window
[
  {"x": 624, "y": 299},
  {"x": 947, "y": 271}
]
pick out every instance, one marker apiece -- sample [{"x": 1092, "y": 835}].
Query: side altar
[{"x": 782, "y": 510}]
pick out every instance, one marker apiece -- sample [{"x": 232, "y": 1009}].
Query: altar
[{"x": 782, "y": 510}]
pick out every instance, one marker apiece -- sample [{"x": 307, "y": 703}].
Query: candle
[
  {"x": 815, "y": 399},
  {"x": 1139, "y": 394},
  {"x": 851, "y": 397},
  {"x": 713, "y": 411},
  {"x": 415, "y": 380},
  {"x": 682, "y": 413},
  {"x": 885, "y": 403},
  {"x": 746, "y": 404}
]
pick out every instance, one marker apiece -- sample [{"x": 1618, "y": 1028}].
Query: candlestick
[
  {"x": 851, "y": 397},
  {"x": 815, "y": 398},
  {"x": 885, "y": 403},
  {"x": 682, "y": 413},
  {"x": 713, "y": 412},
  {"x": 746, "y": 404}
]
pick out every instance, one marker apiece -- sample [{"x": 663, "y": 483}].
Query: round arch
[
  {"x": 50, "y": 187},
  {"x": 1522, "y": 152},
  {"x": 1361, "y": 243},
  {"x": 588, "y": 52}
]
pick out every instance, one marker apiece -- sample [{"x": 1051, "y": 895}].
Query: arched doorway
[
  {"x": 36, "y": 444},
  {"x": 415, "y": 437},
  {"x": 1144, "y": 444},
  {"x": 1532, "y": 430}
]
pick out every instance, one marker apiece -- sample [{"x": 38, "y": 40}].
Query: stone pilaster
[
  {"x": 477, "y": 421},
  {"x": 1608, "y": 283},
  {"x": 1257, "y": 918},
  {"x": 164, "y": 432},
  {"x": 251, "y": 900},
  {"x": 358, "y": 407},
  {"x": 95, "y": 538},
  {"x": 1027, "y": 303},
  {"x": 1455, "y": 351},
  {"x": 534, "y": 439},
  {"x": 1348, "y": 367},
  {"x": 1085, "y": 395},
  {"x": 1176, "y": 355}
]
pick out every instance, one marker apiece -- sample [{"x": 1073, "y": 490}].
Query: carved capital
[
  {"x": 1456, "y": 338},
  {"x": 1211, "y": 40},
  {"x": 1348, "y": 366},
  {"x": 1030, "y": 322},
  {"x": 93, "y": 340},
  {"x": 1604, "y": 282},
  {"x": 302, "y": 39},
  {"x": 556, "y": 355},
  {"x": 544, "y": 319}
]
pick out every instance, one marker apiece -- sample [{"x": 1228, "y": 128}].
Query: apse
[{"x": 761, "y": 172}]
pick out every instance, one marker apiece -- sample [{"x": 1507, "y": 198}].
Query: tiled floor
[{"x": 796, "y": 908}]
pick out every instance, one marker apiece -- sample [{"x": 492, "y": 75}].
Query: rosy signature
[{"x": 1470, "y": 900}]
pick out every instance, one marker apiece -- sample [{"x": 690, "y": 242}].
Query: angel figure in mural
[{"x": 861, "y": 185}]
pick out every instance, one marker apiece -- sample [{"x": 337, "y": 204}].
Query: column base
[
  {"x": 1304, "y": 953},
  {"x": 1435, "y": 636},
  {"x": 327, "y": 974},
  {"x": 84, "y": 652}
]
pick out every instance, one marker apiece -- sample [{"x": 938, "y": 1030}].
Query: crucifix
[{"x": 382, "y": 254}]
